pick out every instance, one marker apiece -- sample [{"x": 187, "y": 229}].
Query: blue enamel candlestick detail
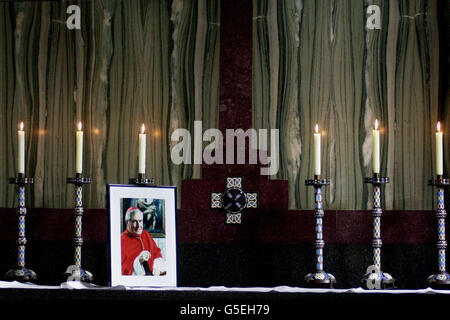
[
  {"x": 442, "y": 278},
  {"x": 374, "y": 277},
  {"x": 320, "y": 278},
  {"x": 75, "y": 272},
  {"x": 21, "y": 274}
]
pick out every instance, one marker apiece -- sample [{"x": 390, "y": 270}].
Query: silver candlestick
[
  {"x": 320, "y": 278},
  {"x": 21, "y": 274},
  {"x": 75, "y": 272},
  {"x": 375, "y": 278},
  {"x": 442, "y": 278}
]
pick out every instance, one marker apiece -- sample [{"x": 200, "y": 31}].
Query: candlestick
[
  {"x": 75, "y": 272},
  {"x": 21, "y": 149},
  {"x": 142, "y": 149},
  {"x": 320, "y": 278},
  {"x": 79, "y": 150},
  {"x": 442, "y": 278},
  {"x": 376, "y": 148},
  {"x": 316, "y": 150},
  {"x": 439, "y": 151},
  {"x": 375, "y": 278},
  {"x": 21, "y": 274}
]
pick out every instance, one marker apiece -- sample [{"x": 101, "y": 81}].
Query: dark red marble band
[{"x": 208, "y": 226}]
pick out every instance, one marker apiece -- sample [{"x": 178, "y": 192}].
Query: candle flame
[
  {"x": 79, "y": 126},
  {"x": 316, "y": 128},
  {"x": 143, "y": 128},
  {"x": 376, "y": 124},
  {"x": 438, "y": 126},
  {"x": 21, "y": 126}
]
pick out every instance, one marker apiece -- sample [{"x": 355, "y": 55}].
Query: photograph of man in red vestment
[{"x": 140, "y": 253}]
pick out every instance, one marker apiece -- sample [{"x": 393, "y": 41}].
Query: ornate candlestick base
[
  {"x": 21, "y": 274},
  {"x": 442, "y": 278},
  {"x": 375, "y": 278},
  {"x": 142, "y": 180},
  {"x": 320, "y": 278},
  {"x": 75, "y": 272}
]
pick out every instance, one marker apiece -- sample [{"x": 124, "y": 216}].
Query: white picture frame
[{"x": 159, "y": 222}]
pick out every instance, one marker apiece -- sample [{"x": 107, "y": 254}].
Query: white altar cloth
[{"x": 279, "y": 289}]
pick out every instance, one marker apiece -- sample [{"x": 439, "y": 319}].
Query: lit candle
[
  {"x": 21, "y": 149},
  {"x": 439, "y": 151},
  {"x": 79, "y": 150},
  {"x": 376, "y": 148},
  {"x": 142, "y": 147},
  {"x": 316, "y": 150}
]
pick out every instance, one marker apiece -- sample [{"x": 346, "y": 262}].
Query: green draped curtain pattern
[
  {"x": 157, "y": 62},
  {"x": 316, "y": 62},
  {"x": 132, "y": 62}
]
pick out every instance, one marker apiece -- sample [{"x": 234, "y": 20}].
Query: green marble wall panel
[
  {"x": 132, "y": 62},
  {"x": 343, "y": 76},
  {"x": 158, "y": 62}
]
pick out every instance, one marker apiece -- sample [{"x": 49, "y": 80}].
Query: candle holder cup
[
  {"x": 22, "y": 273},
  {"x": 141, "y": 180},
  {"x": 375, "y": 278},
  {"x": 320, "y": 278},
  {"x": 440, "y": 280},
  {"x": 75, "y": 272}
]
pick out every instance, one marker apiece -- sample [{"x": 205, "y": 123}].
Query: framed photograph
[{"x": 142, "y": 235}]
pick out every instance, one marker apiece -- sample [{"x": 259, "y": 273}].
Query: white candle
[
  {"x": 79, "y": 150},
  {"x": 376, "y": 148},
  {"x": 142, "y": 147},
  {"x": 439, "y": 151},
  {"x": 21, "y": 149},
  {"x": 316, "y": 150}
]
